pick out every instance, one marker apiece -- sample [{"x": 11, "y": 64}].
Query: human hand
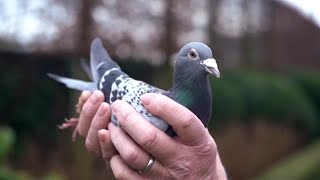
[
  {"x": 188, "y": 155},
  {"x": 94, "y": 116},
  {"x": 192, "y": 154}
]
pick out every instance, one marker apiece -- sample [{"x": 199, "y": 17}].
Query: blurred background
[{"x": 266, "y": 105}]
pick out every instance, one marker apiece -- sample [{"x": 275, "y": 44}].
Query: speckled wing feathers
[{"x": 130, "y": 90}]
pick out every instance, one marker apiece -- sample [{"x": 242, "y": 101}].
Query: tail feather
[
  {"x": 100, "y": 60},
  {"x": 74, "y": 83},
  {"x": 100, "y": 63}
]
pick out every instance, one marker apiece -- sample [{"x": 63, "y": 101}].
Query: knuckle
[
  {"x": 207, "y": 149},
  {"x": 182, "y": 166},
  {"x": 188, "y": 120},
  {"x": 131, "y": 156},
  {"x": 150, "y": 139},
  {"x": 98, "y": 124},
  {"x": 211, "y": 147}
]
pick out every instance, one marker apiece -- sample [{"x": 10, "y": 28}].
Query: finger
[
  {"x": 82, "y": 99},
  {"x": 186, "y": 124},
  {"x": 122, "y": 171},
  {"x": 107, "y": 148},
  {"x": 99, "y": 121},
  {"x": 144, "y": 133},
  {"x": 130, "y": 152},
  {"x": 88, "y": 111}
]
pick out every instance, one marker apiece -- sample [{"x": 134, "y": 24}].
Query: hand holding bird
[{"x": 191, "y": 154}]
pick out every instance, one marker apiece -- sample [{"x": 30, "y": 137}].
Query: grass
[{"x": 303, "y": 165}]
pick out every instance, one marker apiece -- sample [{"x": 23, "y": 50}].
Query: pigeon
[{"x": 190, "y": 88}]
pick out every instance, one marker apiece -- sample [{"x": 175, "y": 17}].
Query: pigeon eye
[{"x": 193, "y": 54}]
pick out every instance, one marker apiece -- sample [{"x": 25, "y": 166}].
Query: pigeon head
[{"x": 197, "y": 56}]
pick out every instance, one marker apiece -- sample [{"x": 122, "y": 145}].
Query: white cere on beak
[
  {"x": 211, "y": 66},
  {"x": 210, "y": 63}
]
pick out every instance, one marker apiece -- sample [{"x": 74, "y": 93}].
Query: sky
[
  {"x": 27, "y": 26},
  {"x": 310, "y": 8}
]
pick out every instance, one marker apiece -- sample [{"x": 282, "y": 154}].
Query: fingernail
[
  {"x": 102, "y": 138},
  {"x": 85, "y": 93},
  {"x": 94, "y": 98},
  {"x": 146, "y": 98},
  {"x": 102, "y": 110},
  {"x": 115, "y": 106}
]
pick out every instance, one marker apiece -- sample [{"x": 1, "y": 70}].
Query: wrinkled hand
[{"x": 192, "y": 154}]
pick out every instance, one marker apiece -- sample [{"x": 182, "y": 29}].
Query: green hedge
[
  {"x": 228, "y": 103},
  {"x": 7, "y": 138},
  {"x": 310, "y": 83},
  {"x": 31, "y": 103},
  {"x": 248, "y": 96},
  {"x": 9, "y": 174}
]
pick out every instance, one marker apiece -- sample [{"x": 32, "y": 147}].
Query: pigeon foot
[{"x": 70, "y": 123}]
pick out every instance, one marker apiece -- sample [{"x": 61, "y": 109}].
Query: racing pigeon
[{"x": 190, "y": 87}]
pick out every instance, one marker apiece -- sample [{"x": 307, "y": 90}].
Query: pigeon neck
[
  {"x": 189, "y": 88},
  {"x": 193, "y": 91},
  {"x": 189, "y": 80}
]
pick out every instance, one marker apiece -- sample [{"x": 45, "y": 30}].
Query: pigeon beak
[{"x": 211, "y": 67}]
